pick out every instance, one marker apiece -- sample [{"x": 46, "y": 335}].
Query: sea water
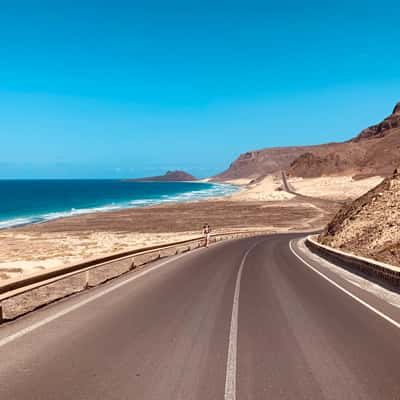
[{"x": 32, "y": 201}]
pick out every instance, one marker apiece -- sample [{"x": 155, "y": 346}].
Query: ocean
[{"x": 31, "y": 201}]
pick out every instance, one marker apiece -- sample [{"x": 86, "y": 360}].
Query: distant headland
[{"x": 169, "y": 176}]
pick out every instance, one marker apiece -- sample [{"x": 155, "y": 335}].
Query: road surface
[
  {"x": 287, "y": 187},
  {"x": 244, "y": 319}
]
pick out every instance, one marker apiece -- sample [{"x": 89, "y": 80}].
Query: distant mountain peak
[{"x": 179, "y": 175}]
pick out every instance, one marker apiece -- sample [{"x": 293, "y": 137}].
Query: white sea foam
[
  {"x": 78, "y": 211},
  {"x": 18, "y": 221}
]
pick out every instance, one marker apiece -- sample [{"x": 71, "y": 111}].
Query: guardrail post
[
  {"x": 86, "y": 279},
  {"x": 1, "y": 314}
]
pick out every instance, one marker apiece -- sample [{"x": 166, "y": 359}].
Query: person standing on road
[{"x": 207, "y": 234}]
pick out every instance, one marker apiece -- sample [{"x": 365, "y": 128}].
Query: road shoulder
[{"x": 385, "y": 302}]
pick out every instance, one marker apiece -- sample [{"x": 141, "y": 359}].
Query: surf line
[{"x": 231, "y": 363}]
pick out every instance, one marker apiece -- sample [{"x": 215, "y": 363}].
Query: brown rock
[{"x": 370, "y": 226}]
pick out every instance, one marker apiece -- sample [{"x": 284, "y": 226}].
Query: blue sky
[{"x": 125, "y": 89}]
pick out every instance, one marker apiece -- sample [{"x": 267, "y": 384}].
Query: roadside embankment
[
  {"x": 369, "y": 226},
  {"x": 386, "y": 274}
]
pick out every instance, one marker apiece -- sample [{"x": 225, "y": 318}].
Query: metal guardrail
[
  {"x": 91, "y": 273},
  {"x": 378, "y": 271}
]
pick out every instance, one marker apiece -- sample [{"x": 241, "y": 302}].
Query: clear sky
[{"x": 125, "y": 89}]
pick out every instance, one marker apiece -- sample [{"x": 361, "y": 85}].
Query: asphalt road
[{"x": 244, "y": 319}]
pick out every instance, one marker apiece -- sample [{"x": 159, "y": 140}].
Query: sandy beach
[{"x": 258, "y": 205}]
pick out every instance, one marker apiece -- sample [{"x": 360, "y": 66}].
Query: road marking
[
  {"x": 45, "y": 321},
  {"x": 230, "y": 380},
  {"x": 364, "y": 303}
]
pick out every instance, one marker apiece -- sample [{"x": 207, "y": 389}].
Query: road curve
[
  {"x": 287, "y": 187},
  {"x": 244, "y": 319}
]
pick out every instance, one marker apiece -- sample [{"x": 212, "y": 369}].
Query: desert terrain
[
  {"x": 259, "y": 205},
  {"x": 340, "y": 172}
]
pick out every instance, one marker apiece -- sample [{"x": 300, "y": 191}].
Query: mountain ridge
[{"x": 360, "y": 156}]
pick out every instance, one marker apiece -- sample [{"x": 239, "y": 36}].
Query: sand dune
[
  {"x": 334, "y": 188},
  {"x": 265, "y": 189}
]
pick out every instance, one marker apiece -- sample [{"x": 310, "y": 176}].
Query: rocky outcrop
[
  {"x": 375, "y": 151},
  {"x": 370, "y": 226},
  {"x": 396, "y": 110},
  {"x": 382, "y": 129},
  {"x": 170, "y": 176}
]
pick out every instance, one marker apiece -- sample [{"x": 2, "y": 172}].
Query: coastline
[
  {"x": 73, "y": 239},
  {"x": 216, "y": 190}
]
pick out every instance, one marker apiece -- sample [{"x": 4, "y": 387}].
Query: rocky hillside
[
  {"x": 329, "y": 159},
  {"x": 375, "y": 151},
  {"x": 170, "y": 176},
  {"x": 254, "y": 164},
  {"x": 370, "y": 226}
]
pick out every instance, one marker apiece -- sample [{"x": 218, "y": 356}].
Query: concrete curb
[{"x": 378, "y": 271}]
